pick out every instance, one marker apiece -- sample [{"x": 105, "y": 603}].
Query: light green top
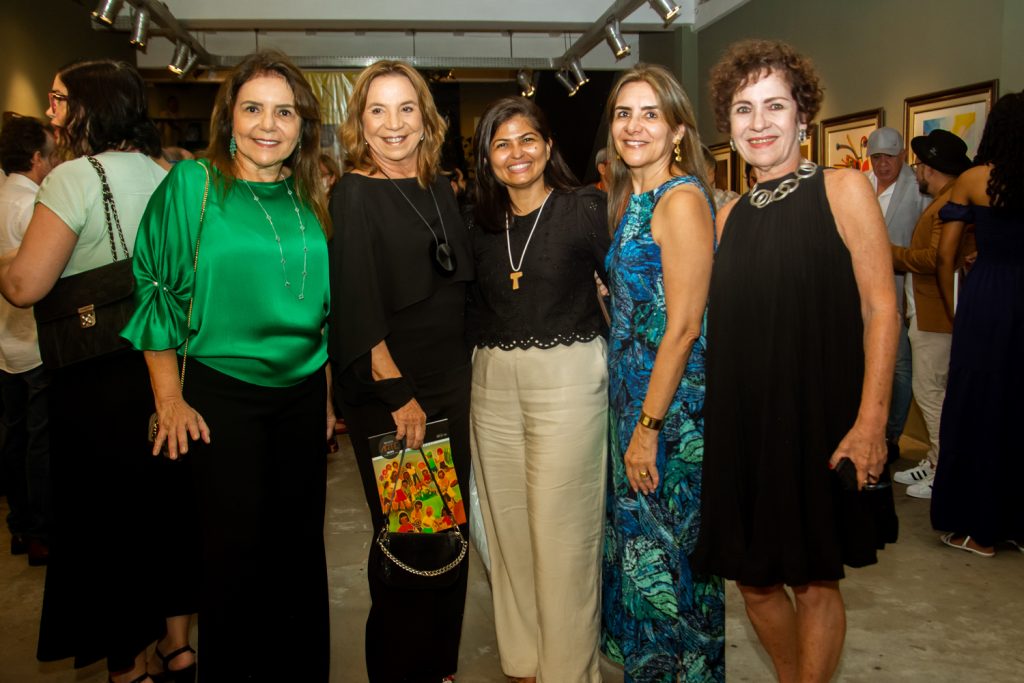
[
  {"x": 73, "y": 192},
  {"x": 245, "y": 322}
]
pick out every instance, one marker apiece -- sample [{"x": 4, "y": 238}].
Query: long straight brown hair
[
  {"x": 304, "y": 161},
  {"x": 676, "y": 109}
]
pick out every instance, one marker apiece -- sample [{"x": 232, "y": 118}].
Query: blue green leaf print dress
[{"x": 659, "y": 620}]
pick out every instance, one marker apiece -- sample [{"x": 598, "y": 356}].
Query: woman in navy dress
[{"x": 975, "y": 497}]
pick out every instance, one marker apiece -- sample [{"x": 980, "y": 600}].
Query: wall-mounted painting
[
  {"x": 809, "y": 147},
  {"x": 844, "y": 139},
  {"x": 744, "y": 175},
  {"x": 723, "y": 154},
  {"x": 962, "y": 111}
]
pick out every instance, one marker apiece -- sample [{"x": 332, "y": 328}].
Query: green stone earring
[{"x": 232, "y": 147}]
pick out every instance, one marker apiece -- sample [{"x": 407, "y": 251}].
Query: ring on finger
[{"x": 644, "y": 474}]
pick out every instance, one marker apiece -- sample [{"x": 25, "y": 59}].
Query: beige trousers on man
[
  {"x": 539, "y": 428},
  {"x": 929, "y": 356}
]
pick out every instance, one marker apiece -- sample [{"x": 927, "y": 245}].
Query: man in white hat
[{"x": 902, "y": 204}]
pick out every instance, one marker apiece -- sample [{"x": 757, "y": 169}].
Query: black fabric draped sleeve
[{"x": 382, "y": 275}]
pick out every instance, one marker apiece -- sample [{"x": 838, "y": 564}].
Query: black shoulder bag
[
  {"x": 83, "y": 315},
  {"x": 418, "y": 560}
]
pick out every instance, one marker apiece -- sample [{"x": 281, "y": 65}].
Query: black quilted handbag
[{"x": 83, "y": 315}]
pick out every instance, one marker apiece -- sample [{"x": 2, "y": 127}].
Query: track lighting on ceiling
[
  {"x": 106, "y": 12},
  {"x": 576, "y": 69},
  {"x": 140, "y": 29},
  {"x": 563, "y": 78},
  {"x": 525, "y": 80},
  {"x": 613, "y": 35},
  {"x": 190, "y": 64},
  {"x": 182, "y": 56},
  {"x": 666, "y": 9}
]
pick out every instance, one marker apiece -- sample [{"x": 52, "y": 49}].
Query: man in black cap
[{"x": 941, "y": 157}]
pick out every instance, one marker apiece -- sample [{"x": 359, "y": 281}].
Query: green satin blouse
[{"x": 246, "y": 323}]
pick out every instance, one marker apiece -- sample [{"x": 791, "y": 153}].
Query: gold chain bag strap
[
  {"x": 440, "y": 552},
  {"x": 154, "y": 419}
]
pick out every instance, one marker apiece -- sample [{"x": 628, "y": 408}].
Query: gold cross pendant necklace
[{"x": 517, "y": 271}]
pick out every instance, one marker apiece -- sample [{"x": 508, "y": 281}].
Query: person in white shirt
[
  {"x": 26, "y": 153},
  {"x": 902, "y": 203}
]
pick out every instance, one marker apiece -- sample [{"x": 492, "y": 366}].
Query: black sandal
[
  {"x": 140, "y": 679},
  {"x": 186, "y": 675}
]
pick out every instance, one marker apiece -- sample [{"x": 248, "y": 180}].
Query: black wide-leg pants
[
  {"x": 261, "y": 488},
  {"x": 399, "y": 617}
]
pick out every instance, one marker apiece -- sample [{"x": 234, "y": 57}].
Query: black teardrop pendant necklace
[{"x": 443, "y": 258}]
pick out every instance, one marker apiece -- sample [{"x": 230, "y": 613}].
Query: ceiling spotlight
[
  {"x": 563, "y": 78},
  {"x": 140, "y": 29},
  {"x": 613, "y": 34},
  {"x": 666, "y": 9},
  {"x": 181, "y": 57},
  {"x": 192, "y": 59},
  {"x": 106, "y": 12},
  {"x": 525, "y": 80},
  {"x": 576, "y": 68}
]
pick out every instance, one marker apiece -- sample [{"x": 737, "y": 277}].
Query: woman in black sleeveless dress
[{"x": 801, "y": 344}]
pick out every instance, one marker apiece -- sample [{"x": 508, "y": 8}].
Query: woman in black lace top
[{"x": 539, "y": 397}]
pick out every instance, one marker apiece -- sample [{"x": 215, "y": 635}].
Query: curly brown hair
[{"x": 748, "y": 61}]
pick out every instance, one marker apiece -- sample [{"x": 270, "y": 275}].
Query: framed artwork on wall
[
  {"x": 724, "y": 179},
  {"x": 809, "y": 147},
  {"x": 962, "y": 111},
  {"x": 844, "y": 139},
  {"x": 743, "y": 175}
]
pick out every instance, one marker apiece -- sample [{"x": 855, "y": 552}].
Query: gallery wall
[
  {"x": 37, "y": 42},
  {"x": 875, "y": 53}
]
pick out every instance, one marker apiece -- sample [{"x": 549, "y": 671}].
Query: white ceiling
[{"x": 459, "y": 33}]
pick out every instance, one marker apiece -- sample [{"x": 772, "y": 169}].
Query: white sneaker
[
  {"x": 922, "y": 471},
  {"x": 922, "y": 489}
]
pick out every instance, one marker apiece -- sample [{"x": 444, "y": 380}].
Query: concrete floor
[{"x": 924, "y": 613}]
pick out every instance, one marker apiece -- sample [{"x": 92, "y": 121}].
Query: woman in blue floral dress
[{"x": 660, "y": 621}]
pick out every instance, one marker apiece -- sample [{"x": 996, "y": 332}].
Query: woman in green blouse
[{"x": 254, "y": 403}]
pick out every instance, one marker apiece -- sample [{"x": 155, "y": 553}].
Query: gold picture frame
[
  {"x": 844, "y": 139},
  {"x": 962, "y": 111}
]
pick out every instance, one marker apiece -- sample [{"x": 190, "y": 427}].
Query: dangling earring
[
  {"x": 732, "y": 144},
  {"x": 232, "y": 147},
  {"x": 679, "y": 152},
  {"x": 803, "y": 135}
]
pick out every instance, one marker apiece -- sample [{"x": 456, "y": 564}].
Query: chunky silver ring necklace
[
  {"x": 277, "y": 238},
  {"x": 760, "y": 198}
]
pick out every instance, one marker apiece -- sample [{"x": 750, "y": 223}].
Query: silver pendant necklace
[
  {"x": 517, "y": 271},
  {"x": 760, "y": 198},
  {"x": 277, "y": 238}
]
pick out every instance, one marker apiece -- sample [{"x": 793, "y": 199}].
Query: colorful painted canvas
[
  {"x": 844, "y": 139},
  {"x": 962, "y": 111},
  {"x": 412, "y": 483}
]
